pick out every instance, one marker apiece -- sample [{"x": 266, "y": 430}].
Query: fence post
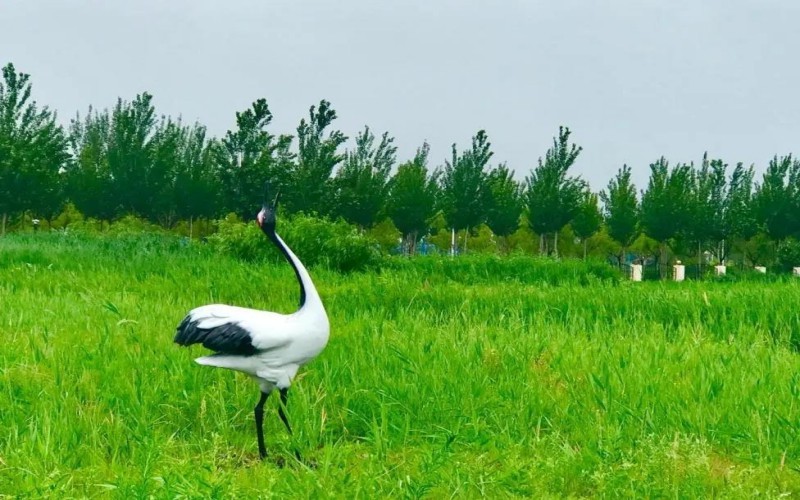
[{"x": 678, "y": 271}]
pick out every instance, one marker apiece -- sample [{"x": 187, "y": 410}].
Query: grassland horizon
[{"x": 442, "y": 378}]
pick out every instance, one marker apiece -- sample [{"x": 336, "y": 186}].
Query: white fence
[{"x": 636, "y": 272}]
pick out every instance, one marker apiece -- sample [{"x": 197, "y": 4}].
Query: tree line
[{"x": 130, "y": 160}]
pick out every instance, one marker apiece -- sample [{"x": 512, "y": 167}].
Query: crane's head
[{"x": 266, "y": 217}]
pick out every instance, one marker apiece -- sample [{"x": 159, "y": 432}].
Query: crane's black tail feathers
[{"x": 228, "y": 338}]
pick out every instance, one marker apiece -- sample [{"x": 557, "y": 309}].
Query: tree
[
  {"x": 249, "y": 156},
  {"x": 361, "y": 184},
  {"x": 739, "y": 206},
  {"x": 776, "y": 198},
  {"x": 309, "y": 182},
  {"x": 45, "y": 160},
  {"x": 464, "y": 190},
  {"x": 505, "y": 203},
  {"x": 706, "y": 218},
  {"x": 588, "y": 219},
  {"x": 166, "y": 150},
  {"x": 32, "y": 151},
  {"x": 665, "y": 205},
  {"x": 136, "y": 185},
  {"x": 621, "y": 210},
  {"x": 195, "y": 188},
  {"x": 412, "y": 197},
  {"x": 552, "y": 198},
  {"x": 90, "y": 185}
]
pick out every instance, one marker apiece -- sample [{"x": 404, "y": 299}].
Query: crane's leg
[
  {"x": 284, "y": 399},
  {"x": 259, "y": 413}
]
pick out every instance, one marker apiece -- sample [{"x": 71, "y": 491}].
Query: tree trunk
[
  {"x": 699, "y": 262},
  {"x": 555, "y": 244},
  {"x": 662, "y": 266},
  {"x": 584, "y": 248},
  {"x": 466, "y": 235},
  {"x": 5, "y": 218},
  {"x": 541, "y": 244},
  {"x": 190, "y": 227}
]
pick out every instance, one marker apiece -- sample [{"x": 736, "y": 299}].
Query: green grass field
[{"x": 435, "y": 383}]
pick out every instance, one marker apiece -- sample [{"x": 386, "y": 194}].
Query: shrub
[
  {"x": 335, "y": 244},
  {"x": 243, "y": 241},
  {"x": 789, "y": 254},
  {"x": 484, "y": 268},
  {"x": 133, "y": 225}
]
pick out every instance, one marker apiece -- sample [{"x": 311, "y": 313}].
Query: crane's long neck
[{"x": 309, "y": 298}]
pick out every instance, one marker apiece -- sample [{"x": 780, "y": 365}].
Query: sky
[{"x": 633, "y": 79}]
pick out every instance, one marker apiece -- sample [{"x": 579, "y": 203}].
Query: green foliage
[
  {"x": 758, "y": 250},
  {"x": 505, "y": 203},
  {"x": 336, "y": 245},
  {"x": 777, "y": 198},
  {"x": 602, "y": 245},
  {"x": 523, "y": 240},
  {"x": 788, "y": 254},
  {"x": 32, "y": 152},
  {"x": 127, "y": 162},
  {"x": 138, "y": 182},
  {"x": 645, "y": 247},
  {"x": 412, "y": 197},
  {"x": 247, "y": 158},
  {"x": 131, "y": 225},
  {"x": 551, "y": 197},
  {"x": 361, "y": 185},
  {"x": 666, "y": 208},
  {"x": 90, "y": 185},
  {"x": 740, "y": 221},
  {"x": 706, "y": 223},
  {"x": 475, "y": 269},
  {"x": 308, "y": 188},
  {"x": 241, "y": 240},
  {"x": 665, "y": 205},
  {"x": 480, "y": 240},
  {"x": 68, "y": 216},
  {"x": 440, "y": 234},
  {"x": 587, "y": 220},
  {"x": 465, "y": 193},
  {"x": 131, "y": 160},
  {"x": 621, "y": 208},
  {"x": 193, "y": 192},
  {"x": 386, "y": 234}
]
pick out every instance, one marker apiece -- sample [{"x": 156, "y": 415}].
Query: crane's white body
[
  {"x": 285, "y": 342},
  {"x": 282, "y": 343}
]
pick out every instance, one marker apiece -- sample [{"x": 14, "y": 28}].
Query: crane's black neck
[{"x": 277, "y": 242}]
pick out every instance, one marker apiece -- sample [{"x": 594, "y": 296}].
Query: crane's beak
[{"x": 275, "y": 202}]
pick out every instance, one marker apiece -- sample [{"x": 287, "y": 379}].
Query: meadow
[{"x": 466, "y": 378}]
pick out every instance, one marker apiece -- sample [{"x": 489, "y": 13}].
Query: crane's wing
[{"x": 232, "y": 330}]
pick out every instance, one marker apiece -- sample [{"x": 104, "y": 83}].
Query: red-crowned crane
[{"x": 269, "y": 347}]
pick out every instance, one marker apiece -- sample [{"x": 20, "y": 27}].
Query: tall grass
[{"x": 464, "y": 377}]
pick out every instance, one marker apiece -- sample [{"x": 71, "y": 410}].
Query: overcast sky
[{"x": 633, "y": 79}]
